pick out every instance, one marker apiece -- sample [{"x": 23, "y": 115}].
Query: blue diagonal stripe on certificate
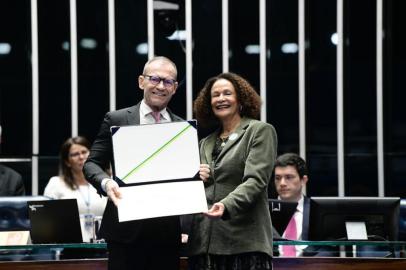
[{"x": 154, "y": 154}]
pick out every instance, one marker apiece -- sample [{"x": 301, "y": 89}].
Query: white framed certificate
[
  {"x": 159, "y": 163},
  {"x": 157, "y": 152}
]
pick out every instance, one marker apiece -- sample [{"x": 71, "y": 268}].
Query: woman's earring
[{"x": 240, "y": 108}]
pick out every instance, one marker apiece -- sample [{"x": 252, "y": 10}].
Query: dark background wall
[{"x": 282, "y": 78}]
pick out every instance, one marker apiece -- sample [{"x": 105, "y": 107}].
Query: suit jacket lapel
[
  {"x": 174, "y": 117},
  {"x": 209, "y": 146},
  {"x": 133, "y": 115},
  {"x": 305, "y": 225},
  {"x": 231, "y": 142},
  {"x": 2, "y": 172}
]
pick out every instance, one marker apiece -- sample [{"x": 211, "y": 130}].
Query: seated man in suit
[
  {"x": 290, "y": 180},
  {"x": 11, "y": 182}
]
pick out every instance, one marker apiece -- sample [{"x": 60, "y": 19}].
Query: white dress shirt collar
[
  {"x": 147, "y": 118},
  {"x": 300, "y": 205}
]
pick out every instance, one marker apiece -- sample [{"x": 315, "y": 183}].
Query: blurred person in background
[
  {"x": 291, "y": 177},
  {"x": 11, "y": 182},
  {"x": 71, "y": 184}
]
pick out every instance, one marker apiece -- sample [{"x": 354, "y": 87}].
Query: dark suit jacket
[
  {"x": 11, "y": 182},
  {"x": 306, "y": 214},
  {"x": 101, "y": 154}
]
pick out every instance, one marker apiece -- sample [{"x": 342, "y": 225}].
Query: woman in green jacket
[{"x": 237, "y": 161}]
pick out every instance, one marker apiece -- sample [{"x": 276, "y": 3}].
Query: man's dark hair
[{"x": 292, "y": 159}]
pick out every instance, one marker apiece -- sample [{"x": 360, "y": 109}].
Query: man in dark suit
[
  {"x": 11, "y": 182},
  {"x": 143, "y": 244},
  {"x": 291, "y": 176}
]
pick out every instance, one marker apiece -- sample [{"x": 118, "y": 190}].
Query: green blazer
[{"x": 239, "y": 179}]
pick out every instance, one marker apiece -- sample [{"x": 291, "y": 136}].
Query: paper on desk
[
  {"x": 163, "y": 199},
  {"x": 14, "y": 238},
  {"x": 356, "y": 230}
]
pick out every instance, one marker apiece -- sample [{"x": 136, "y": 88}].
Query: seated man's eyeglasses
[{"x": 155, "y": 80}]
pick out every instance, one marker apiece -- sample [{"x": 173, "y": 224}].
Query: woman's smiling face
[{"x": 224, "y": 101}]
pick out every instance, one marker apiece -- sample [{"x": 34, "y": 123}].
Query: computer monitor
[
  {"x": 281, "y": 213},
  {"x": 328, "y": 217},
  {"x": 402, "y": 220}
]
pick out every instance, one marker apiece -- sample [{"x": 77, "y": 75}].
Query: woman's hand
[
  {"x": 216, "y": 211},
  {"x": 204, "y": 172}
]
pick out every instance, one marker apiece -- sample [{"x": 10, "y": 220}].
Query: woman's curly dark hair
[{"x": 248, "y": 98}]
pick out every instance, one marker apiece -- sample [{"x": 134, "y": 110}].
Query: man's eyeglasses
[{"x": 155, "y": 80}]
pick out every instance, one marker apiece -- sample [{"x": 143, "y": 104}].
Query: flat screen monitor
[
  {"x": 402, "y": 220},
  {"x": 281, "y": 213},
  {"x": 328, "y": 217}
]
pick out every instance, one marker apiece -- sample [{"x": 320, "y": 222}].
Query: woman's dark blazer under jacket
[{"x": 239, "y": 179}]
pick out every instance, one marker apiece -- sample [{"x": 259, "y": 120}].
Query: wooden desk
[
  {"x": 279, "y": 264},
  {"x": 87, "y": 264},
  {"x": 100, "y": 263},
  {"x": 339, "y": 263}
]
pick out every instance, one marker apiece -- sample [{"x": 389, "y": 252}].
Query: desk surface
[
  {"x": 313, "y": 248},
  {"x": 395, "y": 244},
  {"x": 60, "y": 262}
]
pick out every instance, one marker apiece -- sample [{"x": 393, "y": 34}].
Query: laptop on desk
[
  {"x": 281, "y": 213},
  {"x": 54, "y": 221}
]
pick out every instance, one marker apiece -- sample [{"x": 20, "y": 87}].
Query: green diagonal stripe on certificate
[{"x": 160, "y": 149}]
